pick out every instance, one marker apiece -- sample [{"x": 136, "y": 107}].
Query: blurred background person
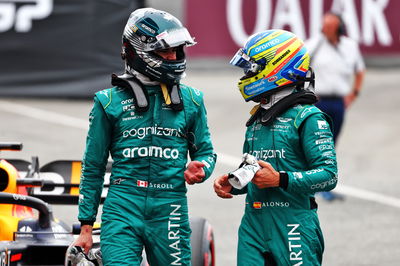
[{"x": 339, "y": 73}]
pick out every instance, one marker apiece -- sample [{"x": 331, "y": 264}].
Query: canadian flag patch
[{"x": 141, "y": 183}]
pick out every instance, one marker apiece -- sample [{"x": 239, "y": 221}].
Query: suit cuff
[
  {"x": 283, "y": 180},
  {"x": 84, "y": 222}
]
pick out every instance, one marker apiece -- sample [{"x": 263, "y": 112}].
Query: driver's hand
[
  {"x": 85, "y": 239},
  {"x": 222, "y": 187},
  {"x": 266, "y": 177},
  {"x": 194, "y": 172}
]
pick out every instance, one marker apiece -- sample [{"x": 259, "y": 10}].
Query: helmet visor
[
  {"x": 242, "y": 60},
  {"x": 171, "y": 38}
]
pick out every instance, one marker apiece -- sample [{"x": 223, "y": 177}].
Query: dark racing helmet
[
  {"x": 148, "y": 30},
  {"x": 272, "y": 60}
]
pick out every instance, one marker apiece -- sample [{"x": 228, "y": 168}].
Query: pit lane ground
[{"x": 363, "y": 229}]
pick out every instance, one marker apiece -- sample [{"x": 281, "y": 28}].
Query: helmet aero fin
[{"x": 271, "y": 60}]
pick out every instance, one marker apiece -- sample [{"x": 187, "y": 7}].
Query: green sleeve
[
  {"x": 94, "y": 162},
  {"x": 319, "y": 150},
  {"x": 201, "y": 148}
]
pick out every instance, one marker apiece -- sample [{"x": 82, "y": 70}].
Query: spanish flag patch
[{"x": 257, "y": 205}]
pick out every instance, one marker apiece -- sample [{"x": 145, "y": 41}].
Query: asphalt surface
[{"x": 363, "y": 229}]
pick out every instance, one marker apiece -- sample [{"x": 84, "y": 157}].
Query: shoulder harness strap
[
  {"x": 171, "y": 93},
  {"x": 172, "y": 96},
  {"x": 139, "y": 93}
]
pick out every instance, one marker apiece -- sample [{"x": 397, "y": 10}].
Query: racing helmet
[
  {"x": 148, "y": 30},
  {"x": 271, "y": 60}
]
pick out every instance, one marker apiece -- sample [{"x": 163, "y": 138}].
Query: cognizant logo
[
  {"x": 151, "y": 151},
  {"x": 153, "y": 130},
  {"x": 268, "y": 153},
  {"x": 324, "y": 184}
]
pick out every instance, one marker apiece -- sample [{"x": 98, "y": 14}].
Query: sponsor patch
[
  {"x": 322, "y": 124},
  {"x": 284, "y": 119},
  {"x": 272, "y": 79},
  {"x": 323, "y": 141},
  {"x": 269, "y": 153},
  {"x": 297, "y": 175},
  {"x": 151, "y": 151}
]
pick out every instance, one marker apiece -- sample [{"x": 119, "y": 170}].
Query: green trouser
[
  {"x": 288, "y": 237},
  {"x": 159, "y": 224}
]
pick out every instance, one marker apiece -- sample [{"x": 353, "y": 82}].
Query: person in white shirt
[
  {"x": 339, "y": 72},
  {"x": 339, "y": 69}
]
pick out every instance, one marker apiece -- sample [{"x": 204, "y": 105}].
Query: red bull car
[{"x": 31, "y": 235}]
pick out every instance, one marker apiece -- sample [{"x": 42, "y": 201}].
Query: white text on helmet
[
  {"x": 144, "y": 26},
  {"x": 266, "y": 45}
]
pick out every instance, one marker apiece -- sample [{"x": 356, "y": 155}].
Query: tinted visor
[
  {"x": 242, "y": 60},
  {"x": 173, "y": 38}
]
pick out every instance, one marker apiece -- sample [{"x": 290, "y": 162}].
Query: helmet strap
[{"x": 139, "y": 92}]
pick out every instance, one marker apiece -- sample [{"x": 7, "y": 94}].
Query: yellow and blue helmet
[{"x": 271, "y": 60}]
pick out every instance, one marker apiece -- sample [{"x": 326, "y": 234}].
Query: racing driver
[
  {"x": 148, "y": 122},
  {"x": 293, "y": 143}
]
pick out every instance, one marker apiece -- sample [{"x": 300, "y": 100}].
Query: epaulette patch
[
  {"x": 105, "y": 97},
  {"x": 195, "y": 94},
  {"x": 303, "y": 113}
]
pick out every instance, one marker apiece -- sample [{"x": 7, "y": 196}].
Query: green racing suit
[
  {"x": 281, "y": 223},
  {"x": 146, "y": 203}
]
